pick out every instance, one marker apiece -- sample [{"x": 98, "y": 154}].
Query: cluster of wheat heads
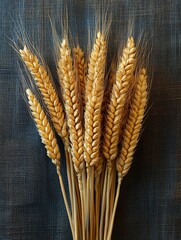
[{"x": 99, "y": 126}]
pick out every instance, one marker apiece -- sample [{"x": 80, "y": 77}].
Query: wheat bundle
[{"x": 99, "y": 126}]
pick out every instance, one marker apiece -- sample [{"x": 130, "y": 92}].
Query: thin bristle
[
  {"x": 133, "y": 126},
  {"x": 72, "y": 107},
  {"x": 50, "y": 97},
  {"x": 118, "y": 98},
  {"x": 45, "y": 130}
]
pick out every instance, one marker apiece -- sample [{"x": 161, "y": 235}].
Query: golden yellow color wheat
[
  {"x": 133, "y": 125},
  {"x": 44, "y": 129},
  {"x": 99, "y": 119},
  {"x": 95, "y": 91},
  {"x": 80, "y": 66},
  {"x": 71, "y": 101},
  {"x": 118, "y": 97},
  {"x": 44, "y": 83}
]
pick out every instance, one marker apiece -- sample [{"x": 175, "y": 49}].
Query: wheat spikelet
[
  {"x": 71, "y": 102},
  {"x": 133, "y": 125},
  {"x": 118, "y": 97},
  {"x": 44, "y": 129},
  {"x": 80, "y": 63},
  {"x": 44, "y": 83},
  {"x": 94, "y": 103}
]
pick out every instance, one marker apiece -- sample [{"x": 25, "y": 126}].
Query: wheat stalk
[
  {"x": 49, "y": 140},
  {"x": 73, "y": 112},
  {"x": 131, "y": 133},
  {"x": 93, "y": 117},
  {"x": 44, "y": 83},
  {"x": 115, "y": 113}
]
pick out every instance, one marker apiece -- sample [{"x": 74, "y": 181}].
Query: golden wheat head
[
  {"x": 45, "y": 130},
  {"x": 118, "y": 98},
  {"x": 95, "y": 91},
  {"x": 72, "y": 106},
  {"x": 133, "y": 126}
]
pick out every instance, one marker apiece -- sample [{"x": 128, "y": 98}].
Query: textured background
[{"x": 31, "y": 205}]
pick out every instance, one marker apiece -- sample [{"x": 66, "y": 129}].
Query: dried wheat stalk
[
  {"x": 49, "y": 140},
  {"x": 131, "y": 133},
  {"x": 73, "y": 113},
  {"x": 95, "y": 93},
  {"x": 115, "y": 114}
]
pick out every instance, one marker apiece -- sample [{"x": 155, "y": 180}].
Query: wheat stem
[
  {"x": 94, "y": 98},
  {"x": 131, "y": 134},
  {"x": 114, "y": 211},
  {"x": 73, "y": 111}
]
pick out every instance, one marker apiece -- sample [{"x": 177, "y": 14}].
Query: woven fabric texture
[{"x": 31, "y": 203}]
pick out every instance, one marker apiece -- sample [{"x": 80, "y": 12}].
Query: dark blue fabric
[{"x": 31, "y": 203}]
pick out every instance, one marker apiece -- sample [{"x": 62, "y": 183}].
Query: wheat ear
[
  {"x": 133, "y": 125},
  {"x": 80, "y": 66},
  {"x": 49, "y": 140},
  {"x": 115, "y": 114},
  {"x": 93, "y": 117},
  {"x": 73, "y": 113},
  {"x": 131, "y": 133},
  {"x": 44, "y": 83},
  {"x": 118, "y": 97}
]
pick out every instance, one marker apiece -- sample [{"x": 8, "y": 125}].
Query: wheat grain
[
  {"x": 80, "y": 64},
  {"x": 118, "y": 97},
  {"x": 44, "y": 83},
  {"x": 133, "y": 125},
  {"x": 45, "y": 130}
]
